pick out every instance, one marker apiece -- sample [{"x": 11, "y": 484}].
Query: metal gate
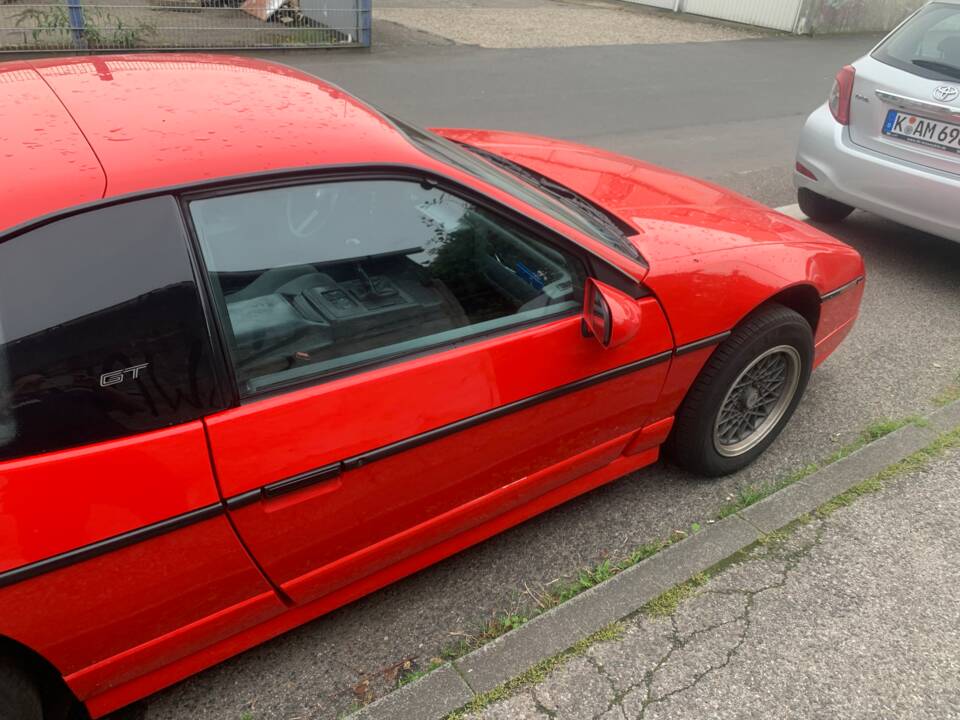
[
  {"x": 83, "y": 25},
  {"x": 774, "y": 14},
  {"x": 665, "y": 4}
]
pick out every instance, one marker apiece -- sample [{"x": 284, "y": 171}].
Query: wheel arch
[
  {"x": 57, "y": 697},
  {"x": 802, "y": 299}
]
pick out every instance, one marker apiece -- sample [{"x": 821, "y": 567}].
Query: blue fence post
[
  {"x": 77, "y": 23},
  {"x": 365, "y": 8}
]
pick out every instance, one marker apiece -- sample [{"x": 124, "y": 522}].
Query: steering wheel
[{"x": 309, "y": 209}]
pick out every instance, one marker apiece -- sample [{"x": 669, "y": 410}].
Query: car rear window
[
  {"x": 927, "y": 45},
  {"x": 101, "y": 329}
]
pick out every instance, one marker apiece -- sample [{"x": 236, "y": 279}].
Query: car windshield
[
  {"x": 928, "y": 45},
  {"x": 550, "y": 197}
]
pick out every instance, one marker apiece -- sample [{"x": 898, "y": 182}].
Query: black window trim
[
  {"x": 593, "y": 265},
  {"x": 596, "y": 266},
  {"x": 614, "y": 275},
  {"x": 222, "y": 364}
]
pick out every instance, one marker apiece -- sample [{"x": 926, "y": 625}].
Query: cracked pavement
[{"x": 852, "y": 616}]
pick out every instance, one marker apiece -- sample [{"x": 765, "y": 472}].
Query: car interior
[{"x": 314, "y": 277}]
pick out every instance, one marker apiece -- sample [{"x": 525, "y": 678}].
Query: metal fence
[{"x": 81, "y": 25}]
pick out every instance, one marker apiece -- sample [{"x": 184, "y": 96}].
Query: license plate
[{"x": 924, "y": 131}]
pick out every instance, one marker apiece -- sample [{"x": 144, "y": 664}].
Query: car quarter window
[
  {"x": 314, "y": 279},
  {"x": 101, "y": 329}
]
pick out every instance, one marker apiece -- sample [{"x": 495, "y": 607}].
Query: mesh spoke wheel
[
  {"x": 757, "y": 401},
  {"x": 745, "y": 394}
]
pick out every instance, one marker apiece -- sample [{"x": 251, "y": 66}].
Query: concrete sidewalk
[{"x": 852, "y": 615}]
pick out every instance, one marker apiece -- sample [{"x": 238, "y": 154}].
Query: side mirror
[{"x": 611, "y": 316}]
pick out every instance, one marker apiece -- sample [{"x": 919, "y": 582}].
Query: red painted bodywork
[
  {"x": 124, "y": 624},
  {"x": 317, "y": 540}
]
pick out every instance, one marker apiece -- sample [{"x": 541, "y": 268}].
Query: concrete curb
[
  {"x": 792, "y": 211},
  {"x": 454, "y": 684}
]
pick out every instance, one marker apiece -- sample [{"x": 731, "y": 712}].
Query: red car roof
[
  {"x": 45, "y": 163},
  {"x": 77, "y": 129}
]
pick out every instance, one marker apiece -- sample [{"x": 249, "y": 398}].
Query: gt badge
[{"x": 115, "y": 377}]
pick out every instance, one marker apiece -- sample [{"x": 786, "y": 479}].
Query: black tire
[
  {"x": 695, "y": 443},
  {"x": 822, "y": 209},
  {"x": 19, "y": 696}
]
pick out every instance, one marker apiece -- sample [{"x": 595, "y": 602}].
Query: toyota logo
[{"x": 946, "y": 93}]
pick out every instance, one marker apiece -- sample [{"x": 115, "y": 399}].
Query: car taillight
[
  {"x": 841, "y": 94},
  {"x": 805, "y": 171}
]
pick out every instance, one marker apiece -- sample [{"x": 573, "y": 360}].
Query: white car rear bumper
[{"x": 907, "y": 193}]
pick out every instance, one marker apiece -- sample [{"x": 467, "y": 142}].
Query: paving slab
[
  {"x": 626, "y": 662},
  {"x": 577, "y": 690},
  {"x": 519, "y": 707},
  {"x": 708, "y": 610}
]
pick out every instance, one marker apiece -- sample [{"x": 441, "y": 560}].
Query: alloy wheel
[{"x": 757, "y": 401}]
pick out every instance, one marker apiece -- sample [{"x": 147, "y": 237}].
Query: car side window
[
  {"x": 102, "y": 333},
  {"x": 315, "y": 279}
]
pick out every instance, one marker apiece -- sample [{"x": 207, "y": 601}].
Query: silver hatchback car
[{"x": 888, "y": 139}]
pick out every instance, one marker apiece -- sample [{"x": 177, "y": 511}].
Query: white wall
[
  {"x": 801, "y": 16},
  {"x": 834, "y": 16}
]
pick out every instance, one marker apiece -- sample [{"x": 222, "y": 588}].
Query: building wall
[
  {"x": 814, "y": 17},
  {"x": 846, "y": 16}
]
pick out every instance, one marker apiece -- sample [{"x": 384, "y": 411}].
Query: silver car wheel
[{"x": 757, "y": 401}]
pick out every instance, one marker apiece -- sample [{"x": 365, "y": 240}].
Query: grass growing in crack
[
  {"x": 949, "y": 394},
  {"x": 538, "y": 673},
  {"x": 911, "y": 463},
  {"x": 355, "y": 706},
  {"x": 666, "y": 603},
  {"x": 755, "y": 493},
  {"x": 405, "y": 678},
  {"x": 500, "y": 624},
  {"x": 550, "y": 597}
]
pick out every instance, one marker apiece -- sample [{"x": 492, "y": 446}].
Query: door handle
[{"x": 298, "y": 482}]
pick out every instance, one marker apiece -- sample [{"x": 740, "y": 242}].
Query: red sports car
[{"x": 264, "y": 349}]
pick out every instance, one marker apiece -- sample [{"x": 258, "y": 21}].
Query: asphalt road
[{"x": 727, "y": 111}]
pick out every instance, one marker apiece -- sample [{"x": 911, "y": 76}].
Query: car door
[
  {"x": 116, "y": 555},
  {"x": 411, "y": 366}
]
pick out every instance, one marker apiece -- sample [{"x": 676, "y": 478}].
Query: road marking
[{"x": 792, "y": 211}]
